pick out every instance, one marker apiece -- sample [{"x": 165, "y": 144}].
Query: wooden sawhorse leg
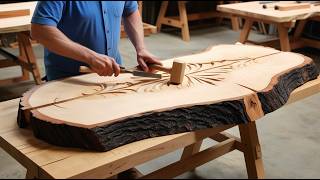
[
  {"x": 245, "y": 31},
  {"x": 283, "y": 37},
  {"x": 182, "y": 23},
  {"x": 27, "y": 55},
  {"x": 252, "y": 150}
]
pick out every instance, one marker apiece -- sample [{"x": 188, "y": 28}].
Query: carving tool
[
  {"x": 176, "y": 72},
  {"x": 85, "y": 69}
]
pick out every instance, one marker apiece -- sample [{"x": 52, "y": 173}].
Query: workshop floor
[{"x": 289, "y": 136}]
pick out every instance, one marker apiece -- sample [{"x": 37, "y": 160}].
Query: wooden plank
[
  {"x": 223, "y": 136},
  {"x": 255, "y": 10},
  {"x": 14, "y": 13},
  {"x": 16, "y": 24},
  {"x": 292, "y": 6},
  {"x": 11, "y": 80},
  {"x": 196, "y": 160},
  {"x": 171, "y": 22},
  {"x": 4, "y": 63},
  {"x": 308, "y": 89}
]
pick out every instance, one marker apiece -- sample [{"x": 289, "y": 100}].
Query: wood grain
[{"x": 219, "y": 88}]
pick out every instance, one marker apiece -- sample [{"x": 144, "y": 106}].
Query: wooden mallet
[{"x": 176, "y": 71}]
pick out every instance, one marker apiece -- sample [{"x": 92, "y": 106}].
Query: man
[{"x": 76, "y": 33}]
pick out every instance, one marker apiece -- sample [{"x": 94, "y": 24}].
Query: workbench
[
  {"x": 16, "y": 18},
  {"x": 284, "y": 20},
  {"x": 47, "y": 161}
]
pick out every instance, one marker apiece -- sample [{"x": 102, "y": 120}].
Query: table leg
[
  {"x": 162, "y": 13},
  {"x": 245, "y": 31},
  {"x": 191, "y": 150},
  {"x": 284, "y": 38},
  {"x": 235, "y": 23},
  {"x": 25, "y": 72},
  {"x": 184, "y": 20},
  {"x": 30, "y": 175},
  {"x": 26, "y": 47},
  {"x": 252, "y": 150},
  {"x": 299, "y": 29}
]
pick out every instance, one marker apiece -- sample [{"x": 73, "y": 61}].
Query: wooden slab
[
  {"x": 47, "y": 161},
  {"x": 256, "y": 11},
  {"x": 219, "y": 88}
]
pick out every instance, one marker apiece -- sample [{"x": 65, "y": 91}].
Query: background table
[{"x": 284, "y": 20}]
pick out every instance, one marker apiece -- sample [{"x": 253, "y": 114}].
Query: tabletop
[
  {"x": 16, "y": 24},
  {"x": 255, "y": 10}
]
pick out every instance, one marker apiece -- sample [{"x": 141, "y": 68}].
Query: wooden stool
[
  {"x": 181, "y": 21},
  {"x": 26, "y": 59}
]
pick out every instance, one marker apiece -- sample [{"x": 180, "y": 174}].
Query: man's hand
[
  {"x": 144, "y": 58},
  {"x": 104, "y": 65}
]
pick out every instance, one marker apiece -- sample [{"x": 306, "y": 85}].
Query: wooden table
[
  {"x": 284, "y": 20},
  {"x": 47, "y": 161},
  {"x": 16, "y": 18},
  {"x": 181, "y": 21}
]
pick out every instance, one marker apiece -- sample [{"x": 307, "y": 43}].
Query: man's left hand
[{"x": 144, "y": 58}]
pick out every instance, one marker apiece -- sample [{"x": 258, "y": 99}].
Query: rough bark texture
[
  {"x": 279, "y": 94},
  {"x": 174, "y": 121},
  {"x": 155, "y": 124}
]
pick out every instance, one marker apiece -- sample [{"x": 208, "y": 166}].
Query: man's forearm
[
  {"x": 134, "y": 29},
  {"x": 57, "y": 42}
]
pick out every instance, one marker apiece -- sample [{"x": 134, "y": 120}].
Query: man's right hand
[{"x": 104, "y": 65}]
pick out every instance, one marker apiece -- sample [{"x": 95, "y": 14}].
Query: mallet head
[{"x": 177, "y": 72}]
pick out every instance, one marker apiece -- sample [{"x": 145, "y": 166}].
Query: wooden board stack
[{"x": 226, "y": 84}]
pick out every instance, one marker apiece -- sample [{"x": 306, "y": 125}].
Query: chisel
[{"x": 85, "y": 69}]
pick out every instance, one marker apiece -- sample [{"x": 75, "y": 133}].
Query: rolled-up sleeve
[
  {"x": 130, "y": 7},
  {"x": 48, "y": 12}
]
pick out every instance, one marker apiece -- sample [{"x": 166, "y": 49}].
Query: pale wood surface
[
  {"x": 16, "y": 24},
  {"x": 231, "y": 79},
  {"x": 44, "y": 160},
  {"x": 255, "y": 10}
]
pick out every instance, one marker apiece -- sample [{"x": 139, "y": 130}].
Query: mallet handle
[{"x": 160, "y": 68}]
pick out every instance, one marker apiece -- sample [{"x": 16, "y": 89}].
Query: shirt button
[
  {"x": 107, "y": 31},
  {"x": 104, "y": 12},
  {"x": 109, "y": 49}
]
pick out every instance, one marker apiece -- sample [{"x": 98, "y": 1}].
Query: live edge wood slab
[{"x": 226, "y": 84}]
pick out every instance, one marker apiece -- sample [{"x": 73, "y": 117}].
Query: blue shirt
[{"x": 93, "y": 24}]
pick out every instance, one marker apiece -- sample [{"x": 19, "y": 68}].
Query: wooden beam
[
  {"x": 162, "y": 13},
  {"x": 191, "y": 150},
  {"x": 11, "y": 80},
  {"x": 14, "y": 13},
  {"x": 184, "y": 21},
  {"x": 284, "y": 38},
  {"x": 7, "y": 63},
  {"x": 191, "y": 162},
  {"x": 245, "y": 31},
  {"x": 252, "y": 151},
  {"x": 225, "y": 136},
  {"x": 308, "y": 89}
]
